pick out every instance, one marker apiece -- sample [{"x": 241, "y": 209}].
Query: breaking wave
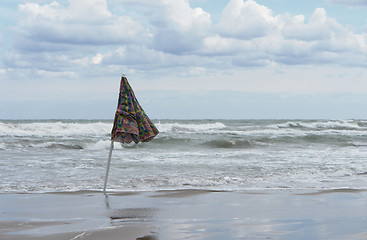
[
  {"x": 103, "y": 128},
  {"x": 64, "y": 155},
  {"x": 58, "y": 128},
  {"x": 189, "y": 127},
  {"x": 321, "y": 125}
]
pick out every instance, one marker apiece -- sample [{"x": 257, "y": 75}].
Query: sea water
[{"x": 233, "y": 155}]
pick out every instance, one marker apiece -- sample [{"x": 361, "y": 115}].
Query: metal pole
[{"x": 108, "y": 167}]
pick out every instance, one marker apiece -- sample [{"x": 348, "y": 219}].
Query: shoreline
[{"x": 185, "y": 214}]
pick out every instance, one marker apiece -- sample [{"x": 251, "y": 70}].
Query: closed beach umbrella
[{"x": 131, "y": 123}]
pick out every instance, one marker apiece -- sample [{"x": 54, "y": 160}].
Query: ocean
[{"x": 38, "y": 156}]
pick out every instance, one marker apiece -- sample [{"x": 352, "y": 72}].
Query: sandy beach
[{"x": 185, "y": 214}]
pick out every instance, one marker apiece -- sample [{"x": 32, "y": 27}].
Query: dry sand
[{"x": 185, "y": 214}]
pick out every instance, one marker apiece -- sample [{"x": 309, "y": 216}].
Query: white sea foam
[
  {"x": 53, "y": 128},
  {"x": 95, "y": 128},
  {"x": 99, "y": 145},
  {"x": 340, "y": 124},
  {"x": 62, "y": 129},
  {"x": 188, "y": 127},
  {"x": 104, "y": 145},
  {"x": 41, "y": 156}
]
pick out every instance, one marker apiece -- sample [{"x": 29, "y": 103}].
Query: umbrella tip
[{"x": 123, "y": 75}]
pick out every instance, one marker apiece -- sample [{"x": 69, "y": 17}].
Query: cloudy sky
[{"x": 184, "y": 58}]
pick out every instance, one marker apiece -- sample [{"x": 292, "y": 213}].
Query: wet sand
[{"x": 185, "y": 214}]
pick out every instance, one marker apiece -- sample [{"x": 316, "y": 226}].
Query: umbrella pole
[{"x": 108, "y": 167}]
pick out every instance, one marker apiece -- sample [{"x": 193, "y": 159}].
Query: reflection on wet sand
[{"x": 185, "y": 214}]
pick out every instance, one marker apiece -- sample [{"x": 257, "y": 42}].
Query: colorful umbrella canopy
[{"x": 131, "y": 122}]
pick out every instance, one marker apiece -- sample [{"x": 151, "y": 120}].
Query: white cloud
[
  {"x": 246, "y": 20},
  {"x": 220, "y": 46},
  {"x": 254, "y": 36},
  {"x": 50, "y": 74},
  {"x": 177, "y": 27},
  {"x": 62, "y": 37},
  {"x": 81, "y": 22},
  {"x": 319, "y": 26},
  {"x": 171, "y": 35},
  {"x": 134, "y": 56},
  {"x": 170, "y": 45},
  {"x": 197, "y": 71},
  {"x": 97, "y": 59}
]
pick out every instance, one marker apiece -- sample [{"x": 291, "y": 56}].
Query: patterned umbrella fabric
[{"x": 131, "y": 122}]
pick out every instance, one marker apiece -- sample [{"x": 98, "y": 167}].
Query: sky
[{"x": 185, "y": 59}]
